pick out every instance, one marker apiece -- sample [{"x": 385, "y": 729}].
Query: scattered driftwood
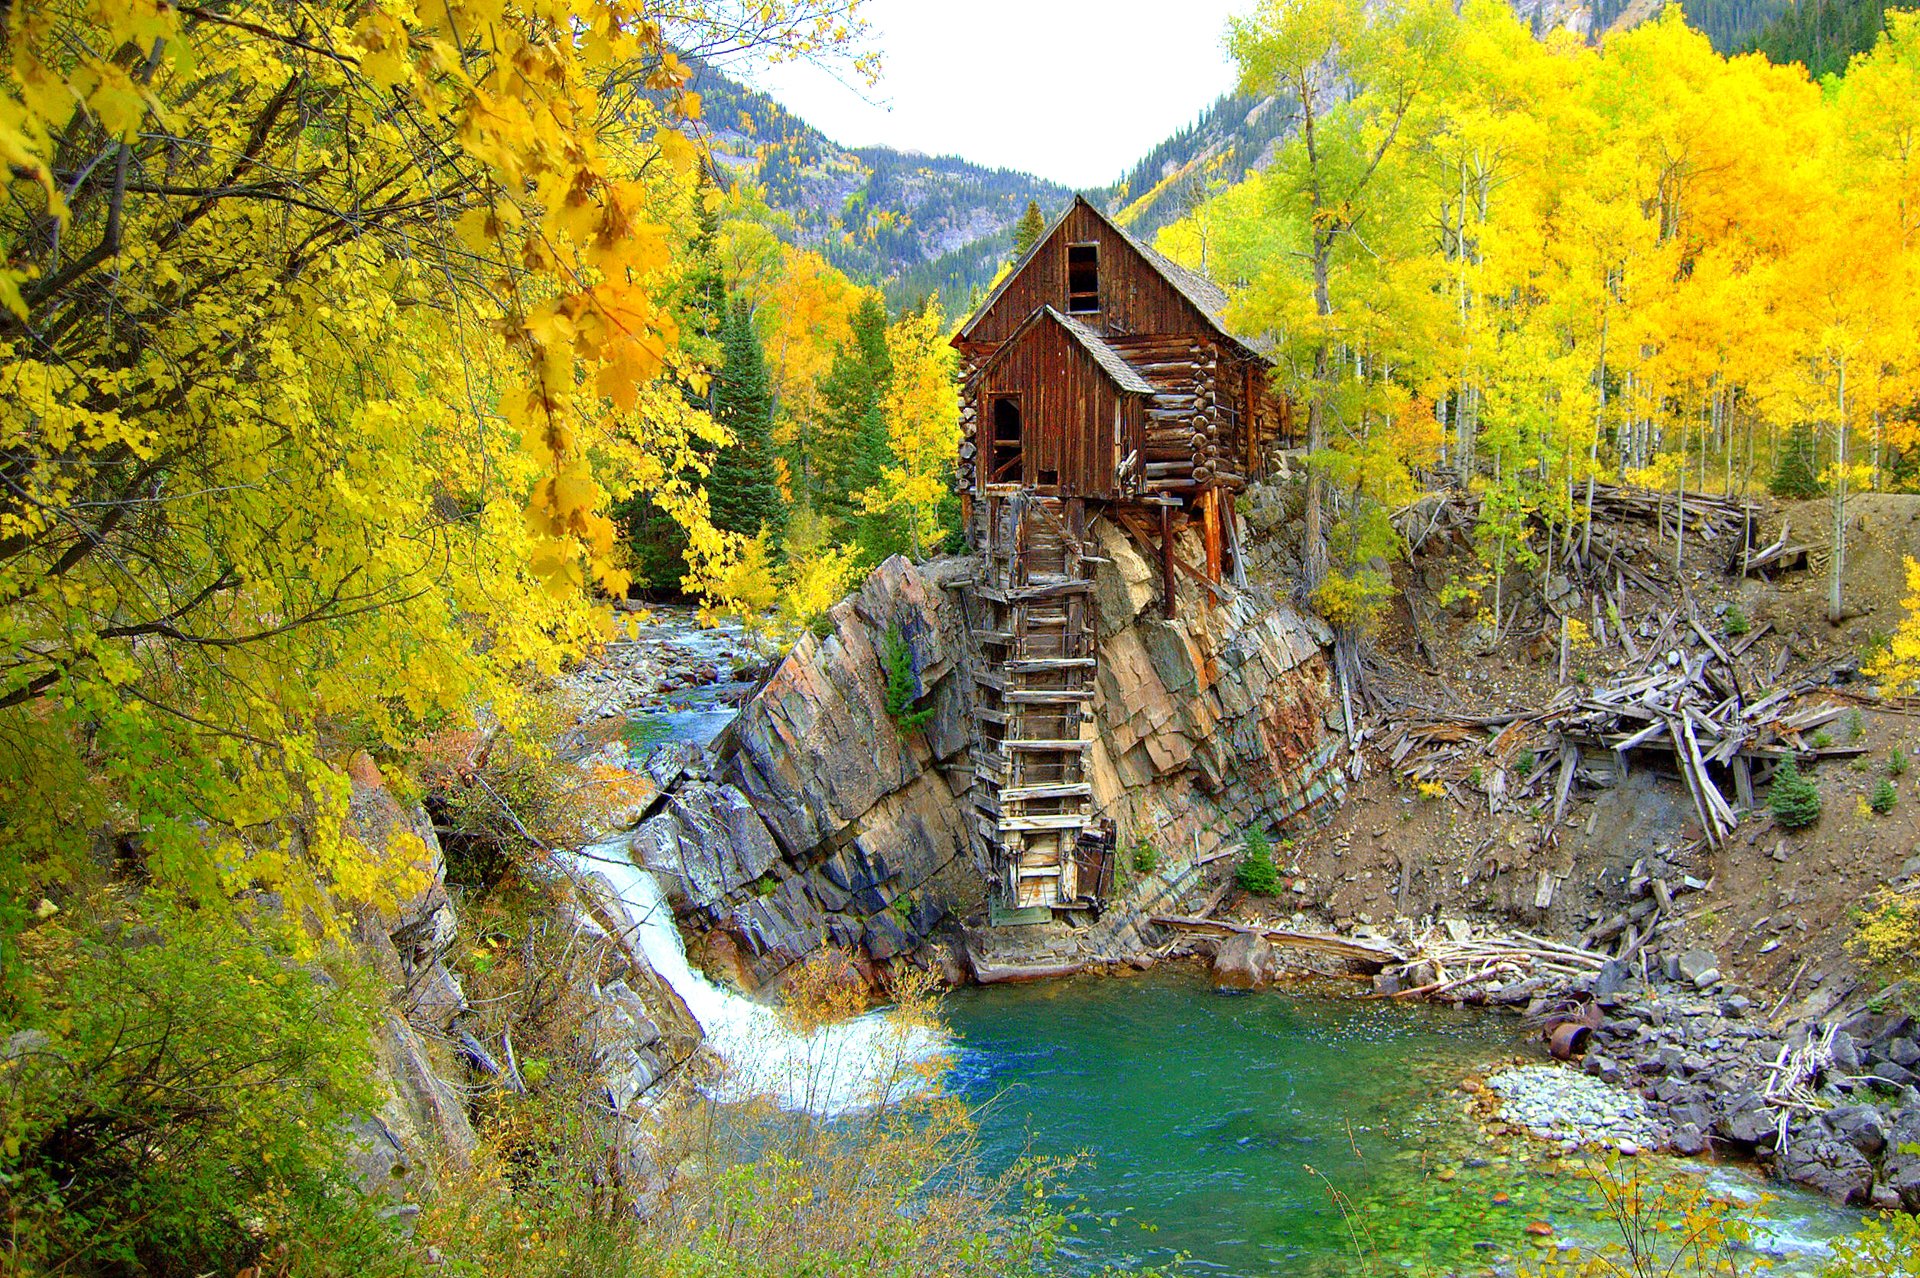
[
  {"x": 1374, "y": 954},
  {"x": 1688, "y": 702},
  {"x": 1458, "y": 963}
]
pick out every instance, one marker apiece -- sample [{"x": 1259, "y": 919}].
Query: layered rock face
[
  {"x": 815, "y": 820},
  {"x": 1217, "y": 720},
  {"x": 637, "y": 1024}
]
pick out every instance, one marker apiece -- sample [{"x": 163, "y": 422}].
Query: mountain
[{"x": 909, "y": 222}]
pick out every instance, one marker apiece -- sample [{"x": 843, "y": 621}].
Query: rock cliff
[{"x": 813, "y": 819}]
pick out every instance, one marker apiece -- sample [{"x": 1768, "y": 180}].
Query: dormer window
[{"x": 1083, "y": 279}]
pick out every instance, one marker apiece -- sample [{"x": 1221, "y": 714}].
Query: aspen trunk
[{"x": 1836, "y": 566}]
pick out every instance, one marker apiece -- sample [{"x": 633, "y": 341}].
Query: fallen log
[{"x": 1320, "y": 942}]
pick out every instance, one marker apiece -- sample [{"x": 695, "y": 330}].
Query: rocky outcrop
[
  {"x": 424, "y": 1042},
  {"x": 813, "y": 819}
]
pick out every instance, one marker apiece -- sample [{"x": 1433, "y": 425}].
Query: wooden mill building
[{"x": 1100, "y": 380}]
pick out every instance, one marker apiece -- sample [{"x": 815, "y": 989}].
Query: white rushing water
[{"x": 836, "y": 1069}]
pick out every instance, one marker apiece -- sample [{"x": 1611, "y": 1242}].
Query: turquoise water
[{"x": 1223, "y": 1132}]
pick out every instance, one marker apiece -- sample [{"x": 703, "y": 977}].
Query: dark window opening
[
  {"x": 1049, "y": 479},
  {"x": 1083, "y": 278},
  {"x": 1006, "y": 453}
]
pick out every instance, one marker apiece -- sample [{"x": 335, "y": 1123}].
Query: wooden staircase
[{"x": 1036, "y": 630}]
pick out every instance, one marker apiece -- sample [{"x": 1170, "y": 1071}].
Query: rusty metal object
[{"x": 1568, "y": 1039}]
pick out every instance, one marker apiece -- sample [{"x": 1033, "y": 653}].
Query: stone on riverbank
[{"x": 1568, "y": 1106}]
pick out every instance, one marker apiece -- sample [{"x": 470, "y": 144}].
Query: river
[{"x": 1218, "y": 1129}]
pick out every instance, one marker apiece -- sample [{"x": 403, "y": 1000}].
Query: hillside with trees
[{"x": 912, "y": 224}]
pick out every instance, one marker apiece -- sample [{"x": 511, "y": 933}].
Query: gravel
[{"x": 1570, "y": 1107}]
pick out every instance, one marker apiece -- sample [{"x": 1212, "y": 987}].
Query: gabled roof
[
  {"x": 1205, "y": 296},
  {"x": 1122, "y": 374}
]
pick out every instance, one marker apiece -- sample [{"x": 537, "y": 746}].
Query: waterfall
[{"x": 835, "y": 1069}]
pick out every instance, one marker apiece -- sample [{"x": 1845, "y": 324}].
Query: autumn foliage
[{"x": 1634, "y": 260}]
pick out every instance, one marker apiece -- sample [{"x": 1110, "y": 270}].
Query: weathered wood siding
[
  {"x": 1069, "y": 409},
  {"x": 1134, "y": 297}
]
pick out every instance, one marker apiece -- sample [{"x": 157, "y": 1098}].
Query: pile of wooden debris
[{"x": 1683, "y": 710}]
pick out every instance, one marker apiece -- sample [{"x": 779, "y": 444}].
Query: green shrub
[
  {"x": 182, "y": 1107},
  {"x": 903, "y": 682},
  {"x": 1735, "y": 623},
  {"x": 1524, "y": 765},
  {"x": 1823, "y": 740},
  {"x": 1897, "y": 762},
  {"x": 1883, "y": 798},
  {"x": 1256, "y": 874},
  {"x": 1145, "y": 859},
  {"x": 1856, "y": 724},
  {"x": 1794, "y": 799}
]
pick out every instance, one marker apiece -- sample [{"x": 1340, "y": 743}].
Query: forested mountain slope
[
  {"x": 911, "y": 222},
  {"x": 1823, "y": 34}
]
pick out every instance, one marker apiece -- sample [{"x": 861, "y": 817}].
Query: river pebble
[{"x": 1564, "y": 1105}]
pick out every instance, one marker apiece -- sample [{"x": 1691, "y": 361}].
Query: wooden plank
[
  {"x": 1076, "y": 790},
  {"x": 1062, "y": 821},
  {"x": 1047, "y": 696}
]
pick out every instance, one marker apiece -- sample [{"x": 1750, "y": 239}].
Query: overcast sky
[{"x": 1071, "y": 90}]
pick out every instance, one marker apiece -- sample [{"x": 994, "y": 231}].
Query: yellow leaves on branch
[
  {"x": 558, "y": 226},
  {"x": 1895, "y": 669},
  {"x": 923, "y": 426}
]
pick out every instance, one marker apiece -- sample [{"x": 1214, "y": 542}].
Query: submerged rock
[{"x": 1242, "y": 962}]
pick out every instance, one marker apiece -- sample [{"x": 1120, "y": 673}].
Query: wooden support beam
[
  {"x": 1169, "y": 604},
  {"x": 1210, "y": 528}
]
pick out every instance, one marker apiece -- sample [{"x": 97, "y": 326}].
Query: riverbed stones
[{"x": 1560, "y": 1104}]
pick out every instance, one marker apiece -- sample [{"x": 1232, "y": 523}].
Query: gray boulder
[
  {"x": 1822, "y": 1161},
  {"x": 1689, "y": 1140},
  {"x": 1901, "y": 1170},
  {"x": 1860, "y": 1126},
  {"x": 1748, "y": 1120},
  {"x": 1242, "y": 962},
  {"x": 1699, "y": 967}
]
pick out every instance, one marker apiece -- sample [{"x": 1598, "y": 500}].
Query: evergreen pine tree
[
  {"x": 1794, "y": 799},
  {"x": 1884, "y": 797},
  {"x": 1028, "y": 230},
  {"x": 1794, "y": 474},
  {"x": 852, "y": 424},
  {"x": 744, "y": 489},
  {"x": 1256, "y": 874},
  {"x": 658, "y": 541}
]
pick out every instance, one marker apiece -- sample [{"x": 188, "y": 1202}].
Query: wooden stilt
[
  {"x": 1210, "y": 513},
  {"x": 1166, "y": 561},
  {"x": 1035, "y": 622}
]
